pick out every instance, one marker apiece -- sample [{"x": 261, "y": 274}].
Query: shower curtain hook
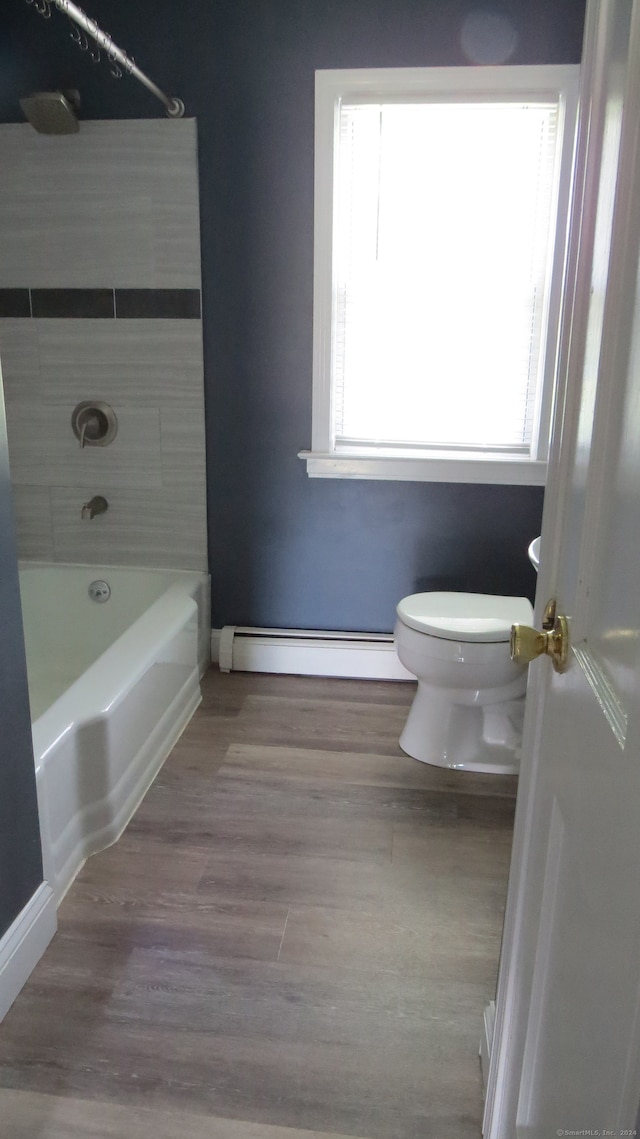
[
  {"x": 95, "y": 53},
  {"x": 115, "y": 70}
]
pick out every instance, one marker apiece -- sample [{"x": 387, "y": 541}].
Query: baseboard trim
[
  {"x": 307, "y": 652},
  {"x": 24, "y": 943},
  {"x": 486, "y": 1041}
]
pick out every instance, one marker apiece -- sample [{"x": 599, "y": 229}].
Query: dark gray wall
[
  {"x": 287, "y": 550},
  {"x": 20, "y": 859}
]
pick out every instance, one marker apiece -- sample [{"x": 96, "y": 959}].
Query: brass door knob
[{"x": 526, "y": 643}]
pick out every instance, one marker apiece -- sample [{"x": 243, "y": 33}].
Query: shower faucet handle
[{"x": 94, "y": 423}]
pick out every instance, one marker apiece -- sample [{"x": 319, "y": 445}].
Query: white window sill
[{"x": 505, "y": 471}]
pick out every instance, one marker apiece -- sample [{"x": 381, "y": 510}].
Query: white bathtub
[{"x": 112, "y": 685}]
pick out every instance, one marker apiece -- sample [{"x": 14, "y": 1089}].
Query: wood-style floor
[{"x": 294, "y": 938}]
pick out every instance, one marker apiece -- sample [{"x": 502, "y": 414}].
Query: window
[{"x": 440, "y": 224}]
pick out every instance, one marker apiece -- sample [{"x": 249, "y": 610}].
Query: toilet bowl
[{"x": 468, "y": 710}]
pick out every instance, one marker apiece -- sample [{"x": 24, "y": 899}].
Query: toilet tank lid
[{"x": 464, "y": 616}]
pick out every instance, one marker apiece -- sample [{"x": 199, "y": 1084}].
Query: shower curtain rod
[{"x": 174, "y": 107}]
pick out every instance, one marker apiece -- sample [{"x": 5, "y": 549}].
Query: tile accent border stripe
[
  {"x": 108, "y": 304},
  {"x": 158, "y": 303},
  {"x": 89, "y": 303},
  {"x": 15, "y": 302}
]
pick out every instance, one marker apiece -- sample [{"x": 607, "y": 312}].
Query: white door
[{"x": 566, "y": 1050}]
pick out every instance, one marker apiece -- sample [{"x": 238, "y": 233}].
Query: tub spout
[{"x": 95, "y": 505}]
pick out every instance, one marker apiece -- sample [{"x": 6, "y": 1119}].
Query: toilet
[{"x": 468, "y": 710}]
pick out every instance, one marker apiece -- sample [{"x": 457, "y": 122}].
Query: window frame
[{"x": 537, "y": 82}]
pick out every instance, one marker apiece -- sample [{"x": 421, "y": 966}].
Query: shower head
[{"x": 51, "y": 112}]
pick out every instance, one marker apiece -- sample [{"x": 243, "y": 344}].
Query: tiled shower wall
[{"x": 100, "y": 299}]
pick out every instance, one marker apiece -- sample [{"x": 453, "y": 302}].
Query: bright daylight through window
[{"x": 441, "y": 201}]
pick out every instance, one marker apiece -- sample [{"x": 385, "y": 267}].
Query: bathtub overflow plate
[{"x": 100, "y": 591}]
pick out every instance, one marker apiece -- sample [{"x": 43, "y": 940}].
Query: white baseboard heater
[{"x": 307, "y": 652}]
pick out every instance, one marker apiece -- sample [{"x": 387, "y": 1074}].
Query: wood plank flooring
[{"x": 294, "y": 939}]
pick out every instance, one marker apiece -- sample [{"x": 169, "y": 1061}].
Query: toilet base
[{"x": 467, "y": 737}]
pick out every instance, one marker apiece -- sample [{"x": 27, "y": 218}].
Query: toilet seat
[{"x": 468, "y": 617}]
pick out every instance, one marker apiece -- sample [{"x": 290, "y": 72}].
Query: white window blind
[{"x": 443, "y": 233}]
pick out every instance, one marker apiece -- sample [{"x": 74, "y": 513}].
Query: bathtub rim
[{"x": 201, "y": 580}]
